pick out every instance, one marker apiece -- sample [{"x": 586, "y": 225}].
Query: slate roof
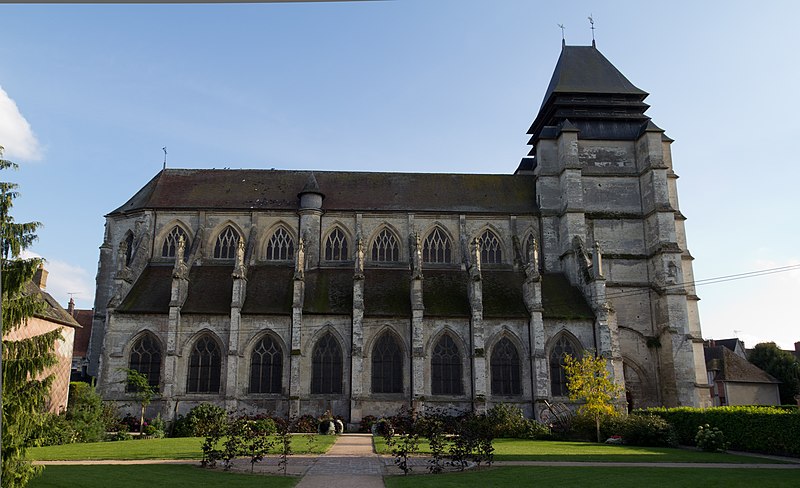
[
  {"x": 588, "y": 93},
  {"x": 246, "y": 189},
  {"x": 53, "y": 311},
  {"x": 329, "y": 291},
  {"x": 584, "y": 70},
  {"x": 734, "y": 368},
  {"x": 561, "y": 300}
]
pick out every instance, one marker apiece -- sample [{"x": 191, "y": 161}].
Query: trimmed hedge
[{"x": 767, "y": 430}]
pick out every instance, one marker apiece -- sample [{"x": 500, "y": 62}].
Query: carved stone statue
[
  {"x": 122, "y": 255},
  {"x": 416, "y": 257},
  {"x": 532, "y": 266},
  {"x": 359, "y": 261},
  {"x": 597, "y": 260},
  {"x": 300, "y": 259},
  {"x": 475, "y": 265},
  {"x": 180, "y": 269},
  {"x": 239, "y": 270}
]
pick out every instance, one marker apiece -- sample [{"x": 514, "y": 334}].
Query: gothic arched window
[
  {"x": 171, "y": 242},
  {"x": 146, "y": 358},
  {"x": 558, "y": 376},
  {"x": 437, "y": 247},
  {"x": 326, "y": 374},
  {"x": 336, "y": 246},
  {"x": 387, "y": 366},
  {"x": 280, "y": 246},
  {"x": 528, "y": 246},
  {"x": 446, "y": 368},
  {"x": 266, "y": 367},
  {"x": 385, "y": 247},
  {"x": 491, "y": 250},
  {"x": 205, "y": 364},
  {"x": 128, "y": 249},
  {"x": 226, "y": 245},
  {"x": 505, "y": 369}
]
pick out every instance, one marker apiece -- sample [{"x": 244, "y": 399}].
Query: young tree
[
  {"x": 589, "y": 380},
  {"x": 140, "y": 387},
  {"x": 783, "y": 365},
  {"x": 25, "y": 387}
]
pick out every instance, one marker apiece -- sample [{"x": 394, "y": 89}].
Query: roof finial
[
  {"x": 563, "y": 40},
  {"x": 591, "y": 21},
  {"x": 165, "y": 156}
]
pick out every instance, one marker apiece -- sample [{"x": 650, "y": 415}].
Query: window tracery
[
  {"x": 387, "y": 366},
  {"x": 280, "y": 246},
  {"x": 385, "y": 247},
  {"x": 145, "y": 357},
  {"x": 336, "y": 246},
  {"x": 227, "y": 242},
  {"x": 266, "y": 367},
  {"x": 326, "y": 375},
  {"x": 437, "y": 247},
  {"x": 505, "y": 369},
  {"x": 171, "y": 242},
  {"x": 446, "y": 368},
  {"x": 205, "y": 363},
  {"x": 491, "y": 250}
]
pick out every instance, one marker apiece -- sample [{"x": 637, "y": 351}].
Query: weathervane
[
  {"x": 165, "y": 156},
  {"x": 563, "y": 40},
  {"x": 591, "y": 21}
]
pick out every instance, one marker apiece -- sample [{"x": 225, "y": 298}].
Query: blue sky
[{"x": 91, "y": 93}]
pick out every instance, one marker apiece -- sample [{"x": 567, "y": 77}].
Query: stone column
[
  {"x": 237, "y": 302},
  {"x": 357, "y": 356},
  {"x": 532, "y": 295},
  {"x": 417, "y": 319},
  {"x": 475, "y": 292},
  {"x": 295, "y": 356}
]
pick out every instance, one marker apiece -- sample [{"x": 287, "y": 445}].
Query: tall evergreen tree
[{"x": 25, "y": 387}]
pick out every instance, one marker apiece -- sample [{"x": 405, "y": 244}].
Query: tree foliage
[
  {"x": 783, "y": 365},
  {"x": 25, "y": 387},
  {"x": 141, "y": 389},
  {"x": 589, "y": 380}
]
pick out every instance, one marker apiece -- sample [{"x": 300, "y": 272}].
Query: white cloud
[
  {"x": 64, "y": 278},
  {"x": 16, "y": 135}
]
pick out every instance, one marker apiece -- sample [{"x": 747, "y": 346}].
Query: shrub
[
  {"x": 646, "y": 430},
  {"x": 710, "y": 439},
  {"x": 122, "y": 435},
  {"x": 507, "y": 421},
  {"x": 199, "y": 421},
  {"x": 155, "y": 428},
  {"x": 55, "y": 430},
  {"x": 768, "y": 430},
  {"x": 366, "y": 424},
  {"x": 536, "y": 430},
  {"x": 85, "y": 412},
  {"x": 306, "y": 424}
]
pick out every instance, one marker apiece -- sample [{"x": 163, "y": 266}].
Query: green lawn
[
  {"x": 169, "y": 448},
  {"x": 174, "y": 476},
  {"x": 529, "y": 450},
  {"x": 592, "y": 477}
]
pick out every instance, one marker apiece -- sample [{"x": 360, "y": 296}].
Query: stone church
[{"x": 298, "y": 292}]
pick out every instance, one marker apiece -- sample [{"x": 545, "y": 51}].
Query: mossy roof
[
  {"x": 561, "y": 300},
  {"x": 269, "y": 290},
  {"x": 150, "y": 293},
  {"x": 247, "y": 189},
  {"x": 52, "y": 310},
  {"x": 387, "y": 292},
  {"x": 329, "y": 291},
  {"x": 502, "y": 293},
  {"x": 444, "y": 293}
]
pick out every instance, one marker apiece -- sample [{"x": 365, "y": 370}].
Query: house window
[
  {"x": 205, "y": 364},
  {"x": 558, "y": 375},
  {"x": 437, "y": 247},
  {"x": 280, "y": 246},
  {"x": 266, "y": 367},
  {"x": 326, "y": 374},
  {"x": 387, "y": 366},
  {"x": 171, "y": 242},
  {"x": 385, "y": 247},
  {"x": 505, "y": 369},
  {"x": 227, "y": 241},
  {"x": 446, "y": 368},
  {"x": 336, "y": 246},
  {"x": 146, "y": 359},
  {"x": 491, "y": 252}
]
